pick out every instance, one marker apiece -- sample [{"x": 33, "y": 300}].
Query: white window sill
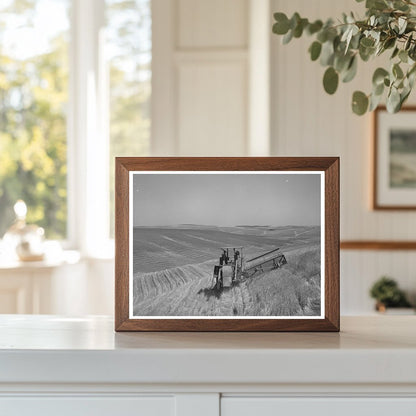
[{"x": 8, "y": 262}]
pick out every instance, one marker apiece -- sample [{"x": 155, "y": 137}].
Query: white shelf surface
[{"x": 53, "y": 349}]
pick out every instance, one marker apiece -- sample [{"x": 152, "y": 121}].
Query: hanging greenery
[{"x": 389, "y": 27}]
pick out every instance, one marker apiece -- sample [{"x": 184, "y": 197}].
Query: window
[
  {"x": 75, "y": 87},
  {"x": 33, "y": 98},
  {"x": 129, "y": 46}
]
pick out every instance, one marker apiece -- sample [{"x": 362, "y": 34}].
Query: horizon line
[{"x": 233, "y": 226}]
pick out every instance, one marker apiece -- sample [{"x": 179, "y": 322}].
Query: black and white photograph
[{"x": 226, "y": 244}]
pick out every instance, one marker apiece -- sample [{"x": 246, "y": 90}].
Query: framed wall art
[
  {"x": 394, "y": 177},
  {"x": 227, "y": 244}
]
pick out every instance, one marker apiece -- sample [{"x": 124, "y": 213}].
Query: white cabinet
[
  {"x": 271, "y": 406},
  {"x": 79, "y": 366},
  {"x": 88, "y": 406},
  {"x": 67, "y": 286}
]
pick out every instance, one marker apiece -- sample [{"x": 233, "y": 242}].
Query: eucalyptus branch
[{"x": 389, "y": 25}]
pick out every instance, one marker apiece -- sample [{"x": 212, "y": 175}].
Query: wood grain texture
[
  {"x": 376, "y": 204},
  {"x": 121, "y": 244},
  {"x": 330, "y": 165},
  {"x": 378, "y": 245}
]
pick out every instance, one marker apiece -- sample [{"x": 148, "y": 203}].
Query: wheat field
[{"x": 173, "y": 266}]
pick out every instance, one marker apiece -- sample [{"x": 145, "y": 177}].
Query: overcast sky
[{"x": 226, "y": 199}]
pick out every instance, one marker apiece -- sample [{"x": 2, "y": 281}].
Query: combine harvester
[{"x": 232, "y": 265}]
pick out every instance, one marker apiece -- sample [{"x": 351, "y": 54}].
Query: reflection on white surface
[{"x": 54, "y": 256}]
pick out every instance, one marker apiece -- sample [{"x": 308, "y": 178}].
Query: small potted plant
[{"x": 387, "y": 294}]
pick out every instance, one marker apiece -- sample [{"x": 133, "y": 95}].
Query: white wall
[
  {"x": 211, "y": 95},
  {"x": 202, "y": 80},
  {"x": 308, "y": 122}
]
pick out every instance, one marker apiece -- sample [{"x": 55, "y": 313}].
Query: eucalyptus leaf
[
  {"x": 393, "y": 101},
  {"x": 400, "y": 5},
  {"x": 404, "y": 96},
  {"x": 367, "y": 42},
  {"x": 378, "y": 89},
  {"x": 322, "y": 35},
  {"x": 339, "y": 44},
  {"x": 341, "y": 62},
  {"x": 288, "y": 37},
  {"x": 327, "y": 53},
  {"x": 402, "y": 22},
  {"x": 330, "y": 80},
  {"x": 298, "y": 30},
  {"x": 397, "y": 71},
  {"x": 403, "y": 56},
  {"x": 351, "y": 72},
  {"x": 411, "y": 78},
  {"x": 281, "y": 27},
  {"x": 359, "y": 103},
  {"x": 389, "y": 43},
  {"x": 366, "y": 53},
  {"x": 374, "y": 102},
  {"x": 412, "y": 52},
  {"x": 395, "y": 52},
  {"x": 379, "y": 75},
  {"x": 314, "y": 27},
  {"x": 376, "y": 4},
  {"x": 408, "y": 42},
  {"x": 315, "y": 50}
]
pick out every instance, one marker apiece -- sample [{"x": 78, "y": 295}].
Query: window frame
[
  {"x": 88, "y": 133},
  {"x": 88, "y": 138}
]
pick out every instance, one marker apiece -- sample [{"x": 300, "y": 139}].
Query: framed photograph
[
  {"x": 394, "y": 179},
  {"x": 227, "y": 244}
]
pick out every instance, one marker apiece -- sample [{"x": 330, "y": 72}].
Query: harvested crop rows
[{"x": 173, "y": 272}]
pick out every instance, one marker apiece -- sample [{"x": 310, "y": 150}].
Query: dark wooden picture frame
[
  {"x": 328, "y": 165},
  {"x": 376, "y": 204}
]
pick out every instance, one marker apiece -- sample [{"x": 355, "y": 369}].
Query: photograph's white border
[{"x": 322, "y": 175}]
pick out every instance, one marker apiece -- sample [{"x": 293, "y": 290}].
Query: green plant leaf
[
  {"x": 402, "y": 22},
  {"x": 351, "y": 71},
  {"x": 374, "y": 102},
  {"x": 294, "y": 20},
  {"x": 403, "y": 56},
  {"x": 408, "y": 42},
  {"x": 359, "y": 103},
  {"x": 379, "y": 75},
  {"x": 404, "y": 96},
  {"x": 395, "y": 52},
  {"x": 288, "y": 37},
  {"x": 315, "y": 50},
  {"x": 397, "y": 71},
  {"x": 298, "y": 30},
  {"x": 400, "y": 5},
  {"x": 322, "y": 36},
  {"x": 378, "y": 89},
  {"x": 393, "y": 101},
  {"x": 376, "y": 4},
  {"x": 367, "y": 42},
  {"x": 314, "y": 27},
  {"x": 341, "y": 61},
  {"x": 388, "y": 24},
  {"x": 327, "y": 53},
  {"x": 281, "y": 27},
  {"x": 366, "y": 51},
  {"x": 389, "y": 43},
  {"x": 330, "y": 80}
]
